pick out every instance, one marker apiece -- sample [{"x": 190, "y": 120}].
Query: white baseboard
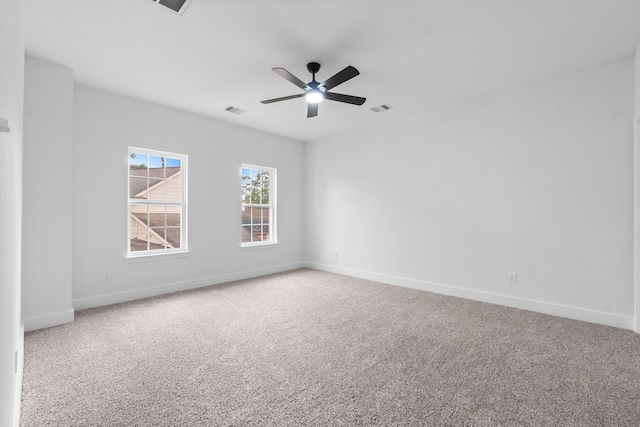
[
  {"x": 48, "y": 320},
  {"x": 134, "y": 294},
  {"x": 608, "y": 319}
]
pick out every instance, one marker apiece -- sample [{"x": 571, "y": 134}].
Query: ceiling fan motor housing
[{"x": 313, "y": 68}]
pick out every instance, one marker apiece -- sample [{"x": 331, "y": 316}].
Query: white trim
[
  {"x": 636, "y": 226},
  {"x": 158, "y": 153},
  {"x": 156, "y": 256},
  {"x": 576, "y": 313},
  {"x": 257, "y": 245},
  {"x": 118, "y": 297},
  {"x": 48, "y": 320}
]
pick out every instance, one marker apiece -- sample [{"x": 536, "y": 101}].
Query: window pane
[
  {"x": 143, "y": 173},
  {"x": 138, "y": 188},
  {"x": 156, "y": 162},
  {"x": 136, "y": 243},
  {"x": 246, "y": 196},
  {"x": 173, "y": 237},
  {"x": 138, "y": 162},
  {"x": 255, "y": 193},
  {"x": 158, "y": 237},
  {"x": 173, "y": 163},
  {"x": 246, "y": 215},
  {"x": 173, "y": 184},
  {"x": 156, "y": 173},
  {"x": 139, "y": 217},
  {"x": 172, "y": 219},
  {"x": 257, "y": 233},
  {"x": 246, "y": 234},
  {"x": 256, "y": 215},
  {"x": 157, "y": 215},
  {"x": 156, "y": 189},
  {"x": 265, "y": 215},
  {"x": 138, "y": 228}
]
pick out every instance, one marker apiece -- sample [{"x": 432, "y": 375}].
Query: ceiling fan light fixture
[
  {"x": 315, "y": 92},
  {"x": 314, "y": 96}
]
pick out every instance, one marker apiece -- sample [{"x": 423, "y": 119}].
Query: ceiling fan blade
[
  {"x": 344, "y": 75},
  {"x": 356, "y": 100},
  {"x": 284, "y": 98},
  {"x": 312, "y": 111},
  {"x": 293, "y": 79}
]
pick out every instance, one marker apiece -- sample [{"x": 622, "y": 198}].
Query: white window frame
[
  {"x": 272, "y": 205},
  {"x": 167, "y": 252}
]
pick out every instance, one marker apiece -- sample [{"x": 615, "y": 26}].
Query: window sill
[
  {"x": 258, "y": 246},
  {"x": 155, "y": 257}
]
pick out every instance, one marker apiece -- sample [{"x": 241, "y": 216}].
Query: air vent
[
  {"x": 381, "y": 108},
  {"x": 176, "y": 6},
  {"x": 235, "y": 110}
]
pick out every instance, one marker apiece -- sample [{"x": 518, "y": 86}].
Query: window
[
  {"x": 258, "y": 205},
  {"x": 157, "y": 202}
]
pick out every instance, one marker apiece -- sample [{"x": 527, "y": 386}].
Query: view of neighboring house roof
[
  {"x": 157, "y": 223},
  {"x": 141, "y": 245},
  {"x": 254, "y": 233},
  {"x": 259, "y": 217},
  {"x": 156, "y": 175}
]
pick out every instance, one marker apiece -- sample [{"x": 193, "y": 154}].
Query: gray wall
[
  {"x": 104, "y": 125},
  {"x": 47, "y": 214},
  {"x": 76, "y": 171},
  {"x": 536, "y": 180}
]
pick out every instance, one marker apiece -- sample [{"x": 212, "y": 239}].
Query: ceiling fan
[{"x": 315, "y": 92}]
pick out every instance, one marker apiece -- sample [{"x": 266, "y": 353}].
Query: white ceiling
[{"x": 412, "y": 54}]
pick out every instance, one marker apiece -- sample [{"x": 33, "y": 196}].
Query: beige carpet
[{"x": 308, "y": 348}]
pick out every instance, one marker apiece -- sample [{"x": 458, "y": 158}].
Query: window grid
[
  {"x": 258, "y": 205},
  {"x": 157, "y": 202}
]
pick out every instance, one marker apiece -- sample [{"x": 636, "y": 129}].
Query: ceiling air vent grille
[
  {"x": 176, "y": 6},
  {"x": 381, "y": 108},
  {"x": 235, "y": 110}
]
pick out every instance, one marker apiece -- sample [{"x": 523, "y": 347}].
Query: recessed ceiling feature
[
  {"x": 381, "y": 108},
  {"x": 416, "y": 55},
  {"x": 235, "y": 110},
  {"x": 177, "y": 6}
]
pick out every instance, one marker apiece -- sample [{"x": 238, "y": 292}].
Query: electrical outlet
[
  {"x": 336, "y": 255},
  {"x": 512, "y": 278},
  {"x": 106, "y": 277}
]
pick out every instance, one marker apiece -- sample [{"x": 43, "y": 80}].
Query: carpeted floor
[{"x": 309, "y": 348}]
